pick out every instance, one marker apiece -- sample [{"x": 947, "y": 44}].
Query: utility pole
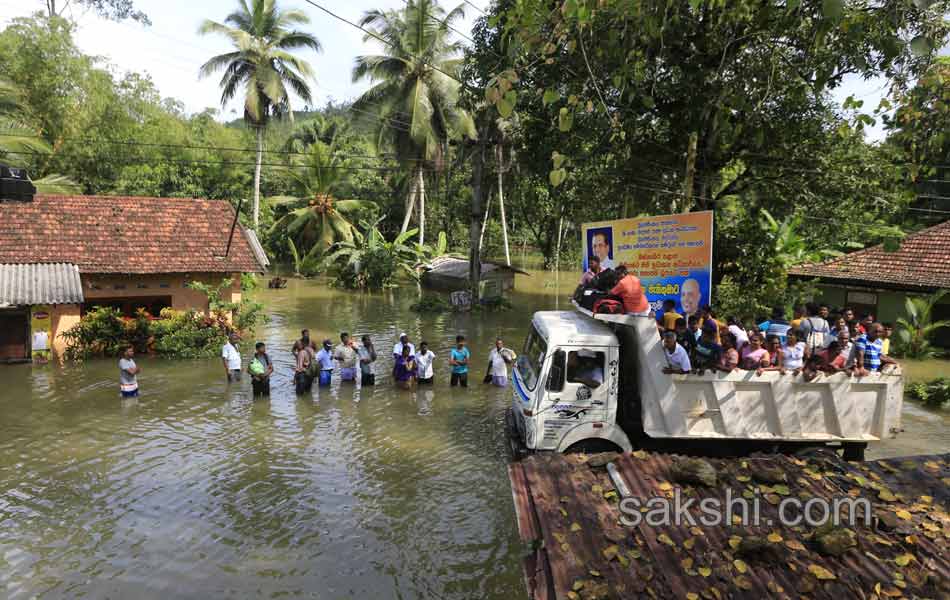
[
  {"x": 499, "y": 153},
  {"x": 474, "y": 230}
]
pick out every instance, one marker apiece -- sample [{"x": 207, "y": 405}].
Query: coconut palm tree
[
  {"x": 318, "y": 129},
  {"x": 916, "y": 329},
  {"x": 317, "y": 217},
  {"x": 18, "y": 139},
  {"x": 262, "y": 67},
  {"x": 413, "y": 96}
]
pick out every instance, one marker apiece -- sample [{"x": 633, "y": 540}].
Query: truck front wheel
[{"x": 593, "y": 446}]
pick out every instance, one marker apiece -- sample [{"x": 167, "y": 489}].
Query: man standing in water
[
  {"x": 367, "y": 355},
  {"x": 231, "y": 358},
  {"x": 346, "y": 354},
  {"x": 403, "y": 341},
  {"x": 303, "y": 374},
  {"x": 424, "y": 361},
  {"x": 498, "y": 360},
  {"x": 260, "y": 368},
  {"x": 324, "y": 359},
  {"x": 128, "y": 370},
  {"x": 458, "y": 359}
]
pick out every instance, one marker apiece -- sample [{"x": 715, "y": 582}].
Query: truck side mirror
[{"x": 555, "y": 381}]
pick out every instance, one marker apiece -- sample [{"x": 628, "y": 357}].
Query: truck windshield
[{"x": 529, "y": 363}]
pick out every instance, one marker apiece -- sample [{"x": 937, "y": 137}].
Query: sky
[{"x": 171, "y": 51}]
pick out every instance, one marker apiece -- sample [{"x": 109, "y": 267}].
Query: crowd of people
[
  {"x": 816, "y": 340},
  {"x": 318, "y": 363}
]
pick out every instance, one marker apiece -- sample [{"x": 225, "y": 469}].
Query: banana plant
[
  {"x": 369, "y": 261},
  {"x": 917, "y": 328}
]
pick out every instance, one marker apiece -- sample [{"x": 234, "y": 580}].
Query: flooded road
[{"x": 194, "y": 490}]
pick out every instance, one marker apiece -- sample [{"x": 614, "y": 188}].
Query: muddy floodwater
[{"x": 195, "y": 490}]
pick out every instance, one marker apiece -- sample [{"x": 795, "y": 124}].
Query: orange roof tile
[
  {"x": 923, "y": 261},
  {"x": 118, "y": 234}
]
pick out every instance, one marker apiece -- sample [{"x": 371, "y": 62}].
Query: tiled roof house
[
  {"x": 876, "y": 281},
  {"x": 60, "y": 255}
]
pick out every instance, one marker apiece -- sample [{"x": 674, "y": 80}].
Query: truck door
[{"x": 582, "y": 391}]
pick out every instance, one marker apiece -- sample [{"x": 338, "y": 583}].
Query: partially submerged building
[
  {"x": 450, "y": 274},
  {"x": 60, "y": 256}
]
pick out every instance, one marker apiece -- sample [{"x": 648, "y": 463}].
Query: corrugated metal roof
[
  {"x": 54, "y": 283},
  {"x": 583, "y": 551}
]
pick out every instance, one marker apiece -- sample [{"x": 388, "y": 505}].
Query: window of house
[
  {"x": 863, "y": 303},
  {"x": 129, "y": 307}
]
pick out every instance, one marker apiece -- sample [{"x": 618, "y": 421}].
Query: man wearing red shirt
[{"x": 630, "y": 291}]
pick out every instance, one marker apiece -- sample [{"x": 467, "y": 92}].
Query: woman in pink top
[
  {"x": 630, "y": 291},
  {"x": 754, "y": 356}
]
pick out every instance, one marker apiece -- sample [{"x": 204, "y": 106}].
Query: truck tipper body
[{"x": 596, "y": 381}]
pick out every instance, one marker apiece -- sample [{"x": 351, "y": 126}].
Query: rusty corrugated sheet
[
  {"x": 583, "y": 551},
  {"x": 56, "y": 283}
]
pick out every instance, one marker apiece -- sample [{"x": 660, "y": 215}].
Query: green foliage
[
  {"x": 934, "y": 393},
  {"x": 369, "y": 262},
  {"x": 295, "y": 255},
  {"x": 315, "y": 218},
  {"x": 916, "y": 330},
  {"x": 177, "y": 334},
  {"x": 431, "y": 304}
]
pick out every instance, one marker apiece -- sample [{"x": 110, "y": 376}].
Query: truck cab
[
  {"x": 596, "y": 382},
  {"x": 566, "y": 383}
]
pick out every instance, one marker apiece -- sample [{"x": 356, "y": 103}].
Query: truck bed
[{"x": 744, "y": 406}]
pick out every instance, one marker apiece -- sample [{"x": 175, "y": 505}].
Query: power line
[
  {"x": 380, "y": 39},
  {"x": 475, "y": 7},
  {"x": 161, "y": 160},
  {"x": 131, "y": 143}
]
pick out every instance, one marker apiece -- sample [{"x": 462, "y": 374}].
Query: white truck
[{"x": 594, "y": 382}]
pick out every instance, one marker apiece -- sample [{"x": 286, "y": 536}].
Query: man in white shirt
[
  {"x": 397, "y": 348},
  {"x": 498, "y": 360},
  {"x": 424, "y": 360},
  {"x": 676, "y": 357},
  {"x": 231, "y": 359}
]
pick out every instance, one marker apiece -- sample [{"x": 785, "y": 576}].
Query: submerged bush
[
  {"x": 177, "y": 334},
  {"x": 431, "y": 304},
  {"x": 933, "y": 393}
]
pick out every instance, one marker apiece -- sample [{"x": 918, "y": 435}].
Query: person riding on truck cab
[{"x": 631, "y": 292}]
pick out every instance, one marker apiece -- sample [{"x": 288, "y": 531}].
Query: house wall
[
  {"x": 889, "y": 304},
  {"x": 65, "y": 316}
]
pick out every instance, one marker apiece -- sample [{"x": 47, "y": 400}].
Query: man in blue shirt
[
  {"x": 458, "y": 359},
  {"x": 869, "y": 351},
  {"x": 776, "y": 326},
  {"x": 324, "y": 359}
]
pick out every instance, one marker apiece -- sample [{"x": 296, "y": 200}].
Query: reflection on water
[{"x": 197, "y": 490}]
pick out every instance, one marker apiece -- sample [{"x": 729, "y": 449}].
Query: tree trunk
[
  {"x": 501, "y": 207},
  {"x": 410, "y": 204},
  {"x": 474, "y": 229},
  {"x": 422, "y": 207},
  {"x": 257, "y": 176},
  {"x": 690, "y": 171}
]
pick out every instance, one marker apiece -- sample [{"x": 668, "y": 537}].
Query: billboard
[{"x": 671, "y": 254}]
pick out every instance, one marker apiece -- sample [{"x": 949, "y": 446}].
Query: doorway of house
[{"x": 14, "y": 336}]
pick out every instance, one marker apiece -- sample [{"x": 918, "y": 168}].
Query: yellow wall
[{"x": 131, "y": 286}]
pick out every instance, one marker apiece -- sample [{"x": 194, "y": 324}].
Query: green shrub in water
[
  {"x": 177, "y": 334},
  {"x": 431, "y": 304},
  {"x": 933, "y": 393}
]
